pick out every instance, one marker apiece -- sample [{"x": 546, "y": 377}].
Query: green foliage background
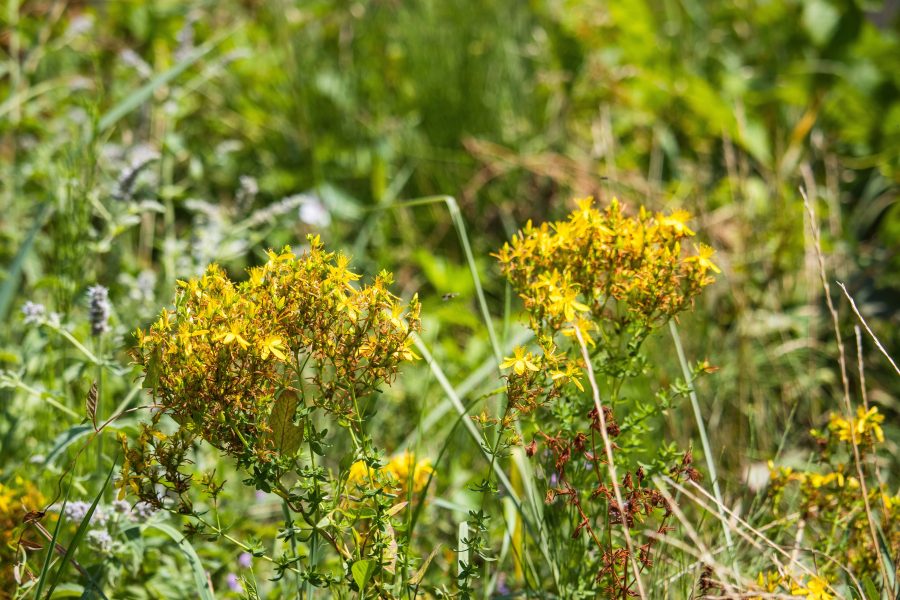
[{"x": 514, "y": 108}]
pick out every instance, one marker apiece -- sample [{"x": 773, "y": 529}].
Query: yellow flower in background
[
  {"x": 866, "y": 426},
  {"x": 769, "y": 581},
  {"x": 359, "y": 473},
  {"x": 402, "y": 474},
  {"x": 815, "y": 589},
  {"x": 774, "y": 584},
  {"x": 521, "y": 362},
  {"x": 408, "y": 472}
]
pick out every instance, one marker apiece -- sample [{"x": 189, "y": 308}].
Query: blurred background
[{"x": 140, "y": 141}]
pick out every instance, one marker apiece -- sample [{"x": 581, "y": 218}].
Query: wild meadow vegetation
[{"x": 450, "y": 299}]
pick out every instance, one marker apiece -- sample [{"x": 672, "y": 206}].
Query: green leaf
[
  {"x": 196, "y": 566},
  {"x": 80, "y": 533},
  {"x": 418, "y": 575},
  {"x": 151, "y": 371},
  {"x": 286, "y": 435},
  {"x": 145, "y": 92},
  {"x": 45, "y": 569},
  {"x": 362, "y": 571},
  {"x": 889, "y": 586},
  {"x": 11, "y": 285},
  {"x": 69, "y": 590}
]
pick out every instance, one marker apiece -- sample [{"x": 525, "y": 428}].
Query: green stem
[
  {"x": 704, "y": 439},
  {"x": 81, "y": 348},
  {"x": 289, "y": 523},
  {"x": 460, "y": 226}
]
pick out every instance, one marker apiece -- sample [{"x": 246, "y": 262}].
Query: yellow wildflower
[
  {"x": 521, "y": 361},
  {"x": 704, "y": 254},
  {"x": 565, "y": 302},
  {"x": 815, "y": 589},
  {"x": 570, "y": 374},
  {"x": 233, "y": 334},
  {"x": 676, "y": 223},
  {"x": 409, "y": 473},
  {"x": 272, "y": 345},
  {"x": 866, "y": 423}
]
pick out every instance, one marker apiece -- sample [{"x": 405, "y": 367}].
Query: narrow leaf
[
  {"x": 11, "y": 284},
  {"x": 145, "y": 92},
  {"x": 418, "y": 575},
  {"x": 64, "y": 440},
  {"x": 196, "y": 566},
  {"x": 889, "y": 586},
  {"x": 45, "y": 569},
  {"x": 80, "y": 533}
]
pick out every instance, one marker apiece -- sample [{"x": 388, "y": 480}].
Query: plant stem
[
  {"x": 704, "y": 439},
  {"x": 610, "y": 463}
]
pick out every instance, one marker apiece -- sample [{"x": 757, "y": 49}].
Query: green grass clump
[{"x": 547, "y": 398}]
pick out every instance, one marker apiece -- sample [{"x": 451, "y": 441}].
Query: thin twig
[
  {"x": 869, "y": 329},
  {"x": 706, "y": 556},
  {"x": 846, "y": 382},
  {"x": 610, "y": 463},
  {"x": 698, "y": 416}
]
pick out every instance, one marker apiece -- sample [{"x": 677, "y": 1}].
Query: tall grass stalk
[
  {"x": 701, "y": 427},
  {"x": 845, "y": 381},
  {"x": 610, "y": 461}
]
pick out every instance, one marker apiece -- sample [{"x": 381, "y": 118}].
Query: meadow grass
[{"x": 308, "y": 300}]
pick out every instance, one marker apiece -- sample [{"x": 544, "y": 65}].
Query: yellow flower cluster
[
  {"x": 780, "y": 476},
  {"x": 606, "y": 265},
  {"x": 17, "y": 497},
  {"x": 865, "y": 426},
  {"x": 815, "y": 588},
  {"x": 833, "y": 495},
  {"x": 401, "y": 475},
  {"x": 217, "y": 362}
]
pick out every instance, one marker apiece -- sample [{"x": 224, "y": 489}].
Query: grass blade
[
  {"x": 196, "y": 566},
  {"x": 460, "y": 226},
  {"x": 143, "y": 93},
  {"x": 45, "y": 569},
  {"x": 704, "y": 439},
  {"x": 11, "y": 285},
  {"x": 79, "y": 533}
]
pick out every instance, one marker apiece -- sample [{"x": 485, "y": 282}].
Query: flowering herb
[
  {"x": 594, "y": 287},
  {"x": 252, "y": 368},
  {"x": 829, "y": 494}
]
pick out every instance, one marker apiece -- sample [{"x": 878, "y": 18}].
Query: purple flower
[
  {"x": 101, "y": 539},
  {"x": 33, "y": 312},
  {"x": 554, "y": 479},
  {"x": 234, "y": 583},
  {"x": 502, "y": 588},
  {"x": 245, "y": 560},
  {"x": 143, "y": 511},
  {"x": 98, "y": 302}
]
